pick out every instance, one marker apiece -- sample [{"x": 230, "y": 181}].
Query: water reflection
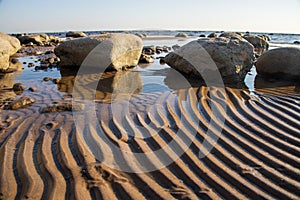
[
  {"x": 6, "y": 83},
  {"x": 125, "y": 83}
]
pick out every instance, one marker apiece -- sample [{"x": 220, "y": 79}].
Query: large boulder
[
  {"x": 123, "y": 50},
  {"x": 260, "y": 43},
  {"x": 39, "y": 39},
  {"x": 75, "y": 34},
  {"x": 233, "y": 58},
  {"x": 281, "y": 63},
  {"x": 8, "y": 46}
]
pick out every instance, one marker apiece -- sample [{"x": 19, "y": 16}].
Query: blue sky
[{"x": 222, "y": 15}]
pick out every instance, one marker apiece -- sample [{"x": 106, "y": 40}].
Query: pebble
[
  {"x": 32, "y": 89},
  {"x": 46, "y": 79}
]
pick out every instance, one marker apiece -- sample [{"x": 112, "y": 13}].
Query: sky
[{"x": 276, "y": 16}]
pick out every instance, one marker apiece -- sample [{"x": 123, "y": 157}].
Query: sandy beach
[{"x": 44, "y": 155}]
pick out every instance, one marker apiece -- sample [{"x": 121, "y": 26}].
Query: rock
[
  {"x": 31, "y": 65},
  {"x": 8, "y": 46},
  {"x": 38, "y": 39},
  {"x": 183, "y": 35},
  {"x": 260, "y": 45},
  {"x": 202, "y": 35},
  {"x": 51, "y": 60},
  {"x": 282, "y": 63},
  {"x": 149, "y": 50},
  {"x": 49, "y": 52},
  {"x": 162, "y": 61},
  {"x": 121, "y": 50},
  {"x": 32, "y": 89},
  {"x": 146, "y": 59},
  {"x": 233, "y": 58},
  {"x": 14, "y": 61},
  {"x": 141, "y": 35},
  {"x": 75, "y": 34},
  {"x": 212, "y": 35},
  {"x": 165, "y": 49},
  {"x": 175, "y": 47},
  {"x": 297, "y": 42},
  {"x": 231, "y": 35},
  {"x": 63, "y": 107},
  {"x": 54, "y": 39},
  {"x": 23, "y": 102},
  {"x": 56, "y": 80},
  {"x": 46, "y": 79},
  {"x": 18, "y": 87}
]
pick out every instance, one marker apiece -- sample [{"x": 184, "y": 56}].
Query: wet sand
[{"x": 43, "y": 156}]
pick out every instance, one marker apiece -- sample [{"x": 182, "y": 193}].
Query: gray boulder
[
  {"x": 260, "y": 43},
  {"x": 75, "y": 34},
  {"x": 120, "y": 50},
  {"x": 233, "y": 58},
  {"x": 8, "y": 46},
  {"x": 280, "y": 63}
]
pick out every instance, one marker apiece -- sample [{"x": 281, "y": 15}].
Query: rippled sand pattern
[{"x": 257, "y": 156}]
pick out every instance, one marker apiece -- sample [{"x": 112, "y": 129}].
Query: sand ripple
[{"x": 44, "y": 156}]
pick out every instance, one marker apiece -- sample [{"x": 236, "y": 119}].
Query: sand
[{"x": 257, "y": 156}]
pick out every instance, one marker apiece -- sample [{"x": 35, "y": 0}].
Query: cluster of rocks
[
  {"x": 63, "y": 107},
  {"x": 148, "y": 53},
  {"x": 15, "y": 104},
  {"x": 38, "y": 39},
  {"x": 233, "y": 55}
]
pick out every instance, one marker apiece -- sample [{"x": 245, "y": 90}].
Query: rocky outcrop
[
  {"x": 75, "y": 34},
  {"x": 282, "y": 63},
  {"x": 233, "y": 58},
  {"x": 120, "y": 50},
  {"x": 8, "y": 46},
  {"x": 260, "y": 43},
  {"x": 38, "y": 39}
]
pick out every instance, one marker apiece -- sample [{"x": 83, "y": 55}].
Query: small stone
[
  {"x": 31, "y": 64},
  {"x": 146, "y": 59},
  {"x": 24, "y": 63},
  {"x": 18, "y": 87},
  {"x": 162, "y": 61},
  {"x": 212, "y": 35},
  {"x": 49, "y": 52},
  {"x": 297, "y": 42},
  {"x": 46, "y": 79},
  {"x": 14, "y": 61},
  {"x": 56, "y": 80},
  {"x": 32, "y": 89},
  {"x": 51, "y": 60}
]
